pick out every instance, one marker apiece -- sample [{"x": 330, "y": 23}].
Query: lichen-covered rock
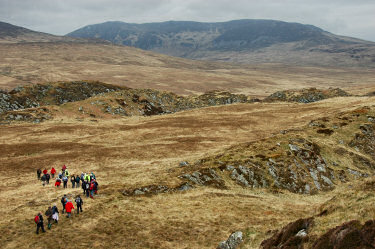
[{"x": 234, "y": 240}]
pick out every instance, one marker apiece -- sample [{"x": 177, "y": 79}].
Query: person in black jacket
[
  {"x": 84, "y": 187},
  {"x": 48, "y": 176},
  {"x": 73, "y": 180},
  {"x": 63, "y": 202},
  {"x": 55, "y": 213},
  {"x": 77, "y": 181},
  {"x": 79, "y": 202},
  {"x": 40, "y": 224},
  {"x": 43, "y": 179},
  {"x": 38, "y": 173}
]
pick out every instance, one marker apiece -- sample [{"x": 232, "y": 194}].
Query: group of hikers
[
  {"x": 89, "y": 186},
  {"x": 86, "y": 181}
]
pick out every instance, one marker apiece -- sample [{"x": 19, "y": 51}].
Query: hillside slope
[
  {"x": 134, "y": 152},
  {"x": 244, "y": 41},
  {"x": 14, "y": 34}
]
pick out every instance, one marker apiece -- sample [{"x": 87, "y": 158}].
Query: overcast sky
[{"x": 344, "y": 17}]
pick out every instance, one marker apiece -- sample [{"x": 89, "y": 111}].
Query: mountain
[
  {"x": 244, "y": 41},
  {"x": 14, "y": 34}
]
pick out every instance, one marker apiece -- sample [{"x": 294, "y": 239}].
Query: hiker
[
  {"x": 87, "y": 187},
  {"x": 66, "y": 173},
  {"x": 92, "y": 176},
  {"x": 65, "y": 181},
  {"x": 64, "y": 200},
  {"x": 47, "y": 177},
  {"x": 84, "y": 187},
  {"x": 58, "y": 182},
  {"x": 48, "y": 213},
  {"x": 60, "y": 175},
  {"x": 79, "y": 202},
  {"x": 53, "y": 172},
  {"x": 43, "y": 179},
  {"x": 45, "y": 171},
  {"x": 55, "y": 213},
  {"x": 96, "y": 187},
  {"x": 39, "y": 222},
  {"x": 73, "y": 180},
  {"x": 63, "y": 168},
  {"x": 87, "y": 177},
  {"x": 91, "y": 187},
  {"x": 82, "y": 176},
  {"x": 77, "y": 181},
  {"x": 68, "y": 207},
  {"x": 38, "y": 173}
]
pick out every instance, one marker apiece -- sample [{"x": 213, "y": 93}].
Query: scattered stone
[
  {"x": 184, "y": 164},
  {"x": 234, "y": 240}
]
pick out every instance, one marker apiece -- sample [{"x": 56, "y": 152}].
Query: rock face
[
  {"x": 306, "y": 95},
  {"x": 292, "y": 236},
  {"x": 350, "y": 235},
  {"x": 234, "y": 240}
]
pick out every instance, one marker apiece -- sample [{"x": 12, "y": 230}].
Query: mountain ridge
[{"x": 244, "y": 41}]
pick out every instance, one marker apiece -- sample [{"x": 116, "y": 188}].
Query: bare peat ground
[{"x": 137, "y": 151}]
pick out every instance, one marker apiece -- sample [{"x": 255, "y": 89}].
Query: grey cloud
[{"x": 344, "y": 17}]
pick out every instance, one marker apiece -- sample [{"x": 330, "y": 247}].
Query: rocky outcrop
[
  {"x": 350, "y": 235},
  {"x": 364, "y": 140},
  {"x": 111, "y": 99},
  {"x": 34, "y": 115},
  {"x": 302, "y": 170},
  {"x": 292, "y": 236},
  {"x": 234, "y": 240},
  {"x": 51, "y": 94},
  {"x": 205, "y": 177},
  {"x": 156, "y": 189},
  {"x": 305, "y": 95}
]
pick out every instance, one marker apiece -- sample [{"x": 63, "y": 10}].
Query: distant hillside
[
  {"x": 245, "y": 41},
  {"x": 14, "y": 34}
]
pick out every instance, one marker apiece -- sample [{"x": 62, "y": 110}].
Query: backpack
[
  {"x": 87, "y": 186},
  {"x": 36, "y": 219},
  {"x": 78, "y": 201}
]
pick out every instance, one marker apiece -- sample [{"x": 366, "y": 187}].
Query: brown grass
[
  {"x": 125, "y": 66},
  {"x": 138, "y": 151}
]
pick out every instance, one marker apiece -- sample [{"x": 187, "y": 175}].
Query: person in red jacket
[
  {"x": 53, "y": 172},
  {"x": 63, "y": 168},
  {"x": 45, "y": 171},
  {"x": 68, "y": 207},
  {"x": 58, "y": 182}
]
